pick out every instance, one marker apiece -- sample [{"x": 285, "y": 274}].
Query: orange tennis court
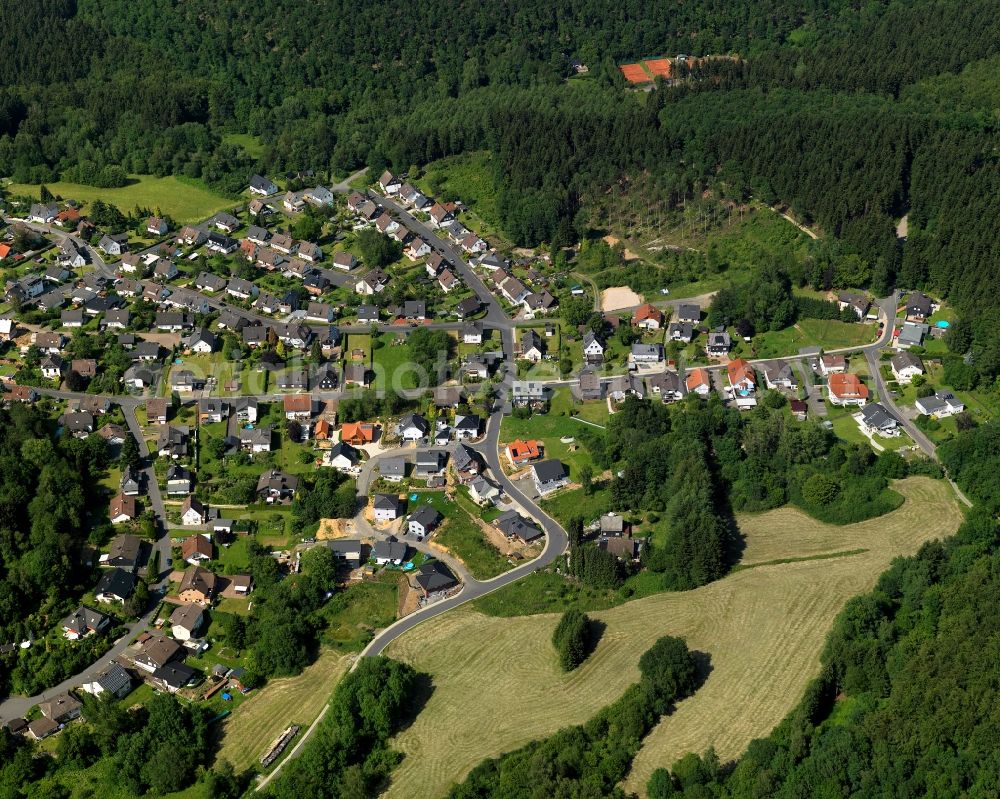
[
  {"x": 659, "y": 67},
  {"x": 634, "y": 73}
]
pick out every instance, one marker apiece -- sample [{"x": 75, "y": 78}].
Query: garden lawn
[
  {"x": 549, "y": 428},
  {"x": 462, "y": 536},
  {"x": 356, "y": 612},
  {"x": 183, "y": 199}
]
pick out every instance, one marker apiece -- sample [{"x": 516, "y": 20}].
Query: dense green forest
[{"x": 47, "y": 490}]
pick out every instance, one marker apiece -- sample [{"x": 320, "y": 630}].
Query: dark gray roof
[
  {"x": 435, "y": 576},
  {"x": 512, "y": 523},
  {"x": 548, "y": 471},
  {"x": 175, "y": 674},
  {"x": 388, "y": 502},
  {"x": 116, "y": 582},
  {"x": 395, "y": 467},
  {"x": 425, "y": 515},
  {"x": 390, "y": 549},
  {"x": 114, "y": 679}
]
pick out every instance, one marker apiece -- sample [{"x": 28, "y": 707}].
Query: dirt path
[{"x": 795, "y": 222}]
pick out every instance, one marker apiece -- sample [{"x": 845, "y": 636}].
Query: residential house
[
  {"x": 876, "y": 420},
  {"x": 227, "y": 223},
  {"x": 346, "y": 550},
  {"x": 294, "y": 202},
  {"x": 220, "y": 243},
  {"x": 391, "y": 551},
  {"x": 905, "y": 366},
  {"x": 185, "y": 381},
  {"x": 939, "y": 405},
  {"x": 72, "y": 318},
  {"x": 447, "y": 281},
  {"x": 417, "y": 248},
  {"x": 423, "y": 521},
  {"x": 193, "y": 512},
  {"x": 719, "y": 344},
  {"x": 62, "y": 708},
  {"x": 430, "y": 464},
  {"x": 472, "y": 333},
  {"x": 121, "y": 509},
  {"x": 434, "y": 578},
  {"x": 198, "y": 585},
  {"x": 274, "y": 486},
  {"x": 256, "y": 440},
  {"x": 202, "y": 341},
  {"x": 412, "y": 427},
  {"x": 172, "y": 677},
  {"x": 245, "y": 409},
  {"x": 779, "y": 374},
  {"x": 42, "y": 728},
  {"x": 372, "y": 283},
  {"x": 206, "y": 281},
  {"x": 448, "y": 396},
  {"x": 242, "y": 290},
  {"x": 516, "y": 527},
  {"x": 699, "y": 382},
  {"x": 310, "y": 252},
  {"x": 130, "y": 485},
  {"x": 115, "y": 585},
  {"x": 155, "y": 226},
  {"x": 293, "y": 380},
  {"x": 681, "y": 331},
  {"x": 389, "y": 183},
  {"x": 669, "y": 386},
  {"x": 593, "y": 349},
  {"x": 156, "y": 411},
  {"x": 343, "y": 457},
  {"x": 846, "y": 389},
  {"x": 549, "y": 476},
  {"x": 647, "y": 317},
  {"x": 532, "y": 346},
  {"x": 386, "y": 224},
  {"x": 742, "y": 379},
  {"x": 367, "y": 314},
  {"x": 52, "y": 368},
  {"x": 482, "y": 491},
  {"x": 622, "y": 386},
  {"x": 858, "y": 303},
  {"x": 466, "y": 426},
  {"x": 392, "y": 470},
  {"x": 172, "y": 441},
  {"x": 155, "y": 651},
  {"x": 918, "y": 307},
  {"x": 646, "y": 353},
  {"x": 344, "y": 261},
  {"x": 211, "y": 411},
  {"x": 83, "y": 622},
  {"x": 386, "y": 507},
  {"x": 415, "y": 310},
  {"x": 832, "y": 364},
  {"x": 178, "y": 481},
  {"x": 468, "y": 307},
  {"x": 326, "y": 378},
  {"x": 358, "y": 434},
  {"x": 298, "y": 407},
  {"x": 912, "y": 334},
  {"x": 527, "y": 392},
  {"x": 116, "y": 319},
  {"x": 196, "y": 549},
  {"x": 43, "y": 213},
  {"x": 688, "y": 312},
  {"x": 114, "y": 244},
  {"x": 113, "y": 680},
  {"x": 440, "y": 216},
  {"x": 539, "y": 302},
  {"x": 589, "y": 386},
  {"x": 191, "y": 236},
  {"x": 262, "y": 186},
  {"x": 356, "y": 374}
]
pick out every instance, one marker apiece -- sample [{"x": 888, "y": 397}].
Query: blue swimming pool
[{"x": 943, "y": 324}]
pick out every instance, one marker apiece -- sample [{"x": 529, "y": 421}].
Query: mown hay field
[
  {"x": 497, "y": 684},
  {"x": 256, "y": 723}
]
